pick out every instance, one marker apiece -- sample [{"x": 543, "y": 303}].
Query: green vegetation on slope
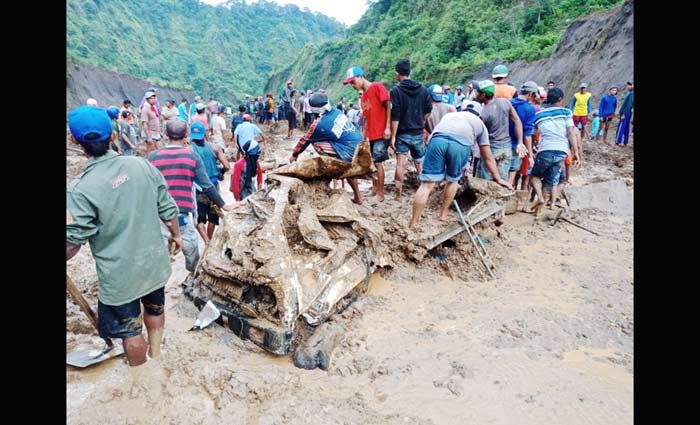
[
  {"x": 224, "y": 51},
  {"x": 446, "y": 40}
]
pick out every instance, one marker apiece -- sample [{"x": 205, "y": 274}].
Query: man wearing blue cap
[
  {"x": 117, "y": 205},
  {"x": 210, "y": 153}
]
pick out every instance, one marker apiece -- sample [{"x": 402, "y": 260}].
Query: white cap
[
  {"x": 91, "y": 102},
  {"x": 149, "y": 94},
  {"x": 471, "y": 104}
]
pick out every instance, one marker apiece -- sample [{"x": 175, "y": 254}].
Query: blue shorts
[
  {"x": 268, "y": 116},
  {"x": 380, "y": 150},
  {"x": 548, "y": 166},
  {"x": 444, "y": 160},
  {"x": 124, "y": 321},
  {"x": 502, "y": 155},
  {"x": 406, "y": 143},
  {"x": 515, "y": 161}
]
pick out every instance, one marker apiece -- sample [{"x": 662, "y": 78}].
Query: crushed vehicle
[{"x": 291, "y": 255}]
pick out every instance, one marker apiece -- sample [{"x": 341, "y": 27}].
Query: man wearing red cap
[{"x": 376, "y": 108}]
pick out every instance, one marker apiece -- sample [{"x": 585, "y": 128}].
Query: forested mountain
[
  {"x": 224, "y": 51},
  {"x": 446, "y": 40}
]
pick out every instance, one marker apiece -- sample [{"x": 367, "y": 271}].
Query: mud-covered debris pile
[{"x": 287, "y": 256}]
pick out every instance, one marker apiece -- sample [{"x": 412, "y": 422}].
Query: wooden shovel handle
[{"x": 80, "y": 300}]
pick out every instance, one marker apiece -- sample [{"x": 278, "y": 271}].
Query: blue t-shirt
[
  {"x": 182, "y": 111},
  {"x": 607, "y": 106},
  {"x": 246, "y": 131},
  {"x": 526, "y": 113}
]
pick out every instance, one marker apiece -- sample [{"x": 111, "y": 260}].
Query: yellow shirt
[{"x": 581, "y": 106}]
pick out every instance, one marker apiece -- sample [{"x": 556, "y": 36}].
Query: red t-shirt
[{"x": 373, "y": 110}]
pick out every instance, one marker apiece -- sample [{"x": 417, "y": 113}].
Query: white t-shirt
[
  {"x": 218, "y": 126},
  {"x": 465, "y": 126},
  {"x": 553, "y": 123}
]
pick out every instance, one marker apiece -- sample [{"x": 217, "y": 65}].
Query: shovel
[{"x": 84, "y": 358}]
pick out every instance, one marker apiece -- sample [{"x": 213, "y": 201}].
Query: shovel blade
[{"x": 85, "y": 358}]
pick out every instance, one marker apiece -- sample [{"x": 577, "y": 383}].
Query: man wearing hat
[
  {"x": 218, "y": 126},
  {"x": 182, "y": 168},
  {"x": 459, "y": 98},
  {"x": 246, "y": 133},
  {"x": 581, "y": 106},
  {"x": 118, "y": 205},
  {"x": 448, "y": 98},
  {"x": 558, "y": 138},
  {"x": 500, "y": 79},
  {"x": 376, "y": 108},
  {"x": 212, "y": 155},
  {"x": 526, "y": 112},
  {"x": 410, "y": 106},
  {"x": 606, "y": 110},
  {"x": 332, "y": 134},
  {"x": 440, "y": 109},
  {"x": 496, "y": 114},
  {"x": 150, "y": 119}
]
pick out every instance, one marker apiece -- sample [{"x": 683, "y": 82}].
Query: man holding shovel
[{"x": 117, "y": 205}]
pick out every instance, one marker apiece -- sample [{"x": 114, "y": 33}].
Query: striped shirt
[
  {"x": 553, "y": 122},
  {"x": 181, "y": 167}
]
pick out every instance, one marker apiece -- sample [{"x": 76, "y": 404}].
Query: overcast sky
[{"x": 346, "y": 11}]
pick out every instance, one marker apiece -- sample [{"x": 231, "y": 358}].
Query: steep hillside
[
  {"x": 597, "y": 50},
  {"x": 224, "y": 51},
  {"x": 111, "y": 88},
  {"x": 446, "y": 40}
]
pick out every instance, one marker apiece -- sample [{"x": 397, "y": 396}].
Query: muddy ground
[{"x": 549, "y": 341}]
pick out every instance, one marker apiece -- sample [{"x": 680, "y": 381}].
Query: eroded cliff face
[
  {"x": 111, "y": 88},
  {"x": 597, "y": 50}
]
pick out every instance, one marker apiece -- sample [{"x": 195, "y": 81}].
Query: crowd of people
[{"x": 519, "y": 137}]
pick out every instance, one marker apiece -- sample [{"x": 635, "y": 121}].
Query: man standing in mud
[
  {"x": 410, "y": 108},
  {"x": 558, "y": 138},
  {"x": 332, "y": 134},
  {"x": 150, "y": 119},
  {"x": 132, "y": 261},
  {"x": 449, "y": 150},
  {"x": 497, "y": 114},
  {"x": 182, "y": 167},
  {"x": 376, "y": 107}
]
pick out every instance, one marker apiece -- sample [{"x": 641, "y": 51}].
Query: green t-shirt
[{"x": 117, "y": 205}]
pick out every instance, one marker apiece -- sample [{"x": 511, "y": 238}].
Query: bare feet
[
  {"x": 397, "y": 192},
  {"x": 357, "y": 200}
]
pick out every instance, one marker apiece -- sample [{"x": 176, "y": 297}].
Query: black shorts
[
  {"x": 205, "y": 210},
  {"x": 123, "y": 321},
  {"x": 292, "y": 119}
]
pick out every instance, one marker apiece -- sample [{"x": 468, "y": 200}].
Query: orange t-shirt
[{"x": 505, "y": 91}]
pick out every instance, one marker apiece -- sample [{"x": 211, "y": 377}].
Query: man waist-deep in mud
[
  {"x": 449, "y": 151},
  {"x": 210, "y": 153},
  {"x": 182, "y": 167},
  {"x": 332, "y": 134},
  {"x": 132, "y": 262}
]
